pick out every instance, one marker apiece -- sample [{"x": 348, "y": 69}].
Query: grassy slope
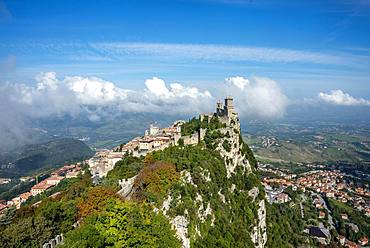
[{"x": 306, "y": 152}]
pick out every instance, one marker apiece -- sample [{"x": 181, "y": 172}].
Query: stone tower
[
  {"x": 219, "y": 109},
  {"x": 229, "y": 106}
]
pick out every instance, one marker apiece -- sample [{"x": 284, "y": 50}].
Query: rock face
[
  {"x": 229, "y": 145},
  {"x": 233, "y": 158},
  {"x": 218, "y": 200},
  {"x": 259, "y": 231}
]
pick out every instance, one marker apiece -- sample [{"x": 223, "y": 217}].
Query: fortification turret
[
  {"x": 219, "y": 108},
  {"x": 229, "y": 106}
]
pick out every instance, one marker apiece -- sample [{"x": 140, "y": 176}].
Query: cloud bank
[
  {"x": 96, "y": 99},
  {"x": 338, "y": 97},
  {"x": 257, "y": 97},
  {"x": 74, "y": 95}
]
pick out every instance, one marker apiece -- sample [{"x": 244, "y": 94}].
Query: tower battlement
[{"x": 226, "y": 109}]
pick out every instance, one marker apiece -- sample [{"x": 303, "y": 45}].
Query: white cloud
[
  {"x": 97, "y": 99},
  {"x": 95, "y": 91},
  {"x": 257, "y": 97},
  {"x": 157, "y": 87},
  {"x": 338, "y": 97},
  {"x": 219, "y": 52},
  {"x": 74, "y": 94}
]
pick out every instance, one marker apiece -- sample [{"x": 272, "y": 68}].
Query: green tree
[{"x": 124, "y": 224}]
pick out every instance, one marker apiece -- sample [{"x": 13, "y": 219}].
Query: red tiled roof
[{"x": 41, "y": 185}]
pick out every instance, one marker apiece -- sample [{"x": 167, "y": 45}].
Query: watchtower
[
  {"x": 229, "y": 106},
  {"x": 219, "y": 109}
]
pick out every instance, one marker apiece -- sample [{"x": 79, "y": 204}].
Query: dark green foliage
[
  {"x": 181, "y": 142},
  {"x": 16, "y": 190},
  {"x": 294, "y": 195},
  {"x": 354, "y": 216},
  {"x": 187, "y": 157},
  {"x": 124, "y": 224},
  {"x": 211, "y": 138},
  {"x": 31, "y": 227},
  {"x": 214, "y": 124},
  {"x": 248, "y": 152},
  {"x": 49, "y": 155},
  {"x": 252, "y": 181},
  {"x": 284, "y": 226},
  {"x": 195, "y": 124},
  {"x": 32, "y": 230},
  {"x": 128, "y": 167},
  {"x": 190, "y": 127},
  {"x": 6, "y": 218},
  {"x": 84, "y": 236},
  {"x": 226, "y": 145}
]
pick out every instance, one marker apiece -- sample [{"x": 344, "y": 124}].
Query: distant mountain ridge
[{"x": 31, "y": 158}]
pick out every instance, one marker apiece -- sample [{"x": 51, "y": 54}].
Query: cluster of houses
[
  {"x": 329, "y": 183},
  {"x": 332, "y": 184},
  {"x": 276, "y": 194},
  {"x": 67, "y": 171},
  {"x": 155, "y": 138},
  {"x": 350, "y": 244},
  {"x": 103, "y": 161}
]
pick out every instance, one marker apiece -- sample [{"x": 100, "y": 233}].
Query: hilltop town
[{"x": 154, "y": 139}]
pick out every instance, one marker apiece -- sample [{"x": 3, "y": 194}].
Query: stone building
[{"x": 227, "y": 109}]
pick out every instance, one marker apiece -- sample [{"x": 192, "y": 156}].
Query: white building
[{"x": 54, "y": 180}]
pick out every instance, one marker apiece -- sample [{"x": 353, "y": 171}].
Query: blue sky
[{"x": 306, "y": 46}]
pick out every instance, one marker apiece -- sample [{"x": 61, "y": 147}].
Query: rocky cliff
[
  {"x": 212, "y": 196},
  {"x": 219, "y": 200}
]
